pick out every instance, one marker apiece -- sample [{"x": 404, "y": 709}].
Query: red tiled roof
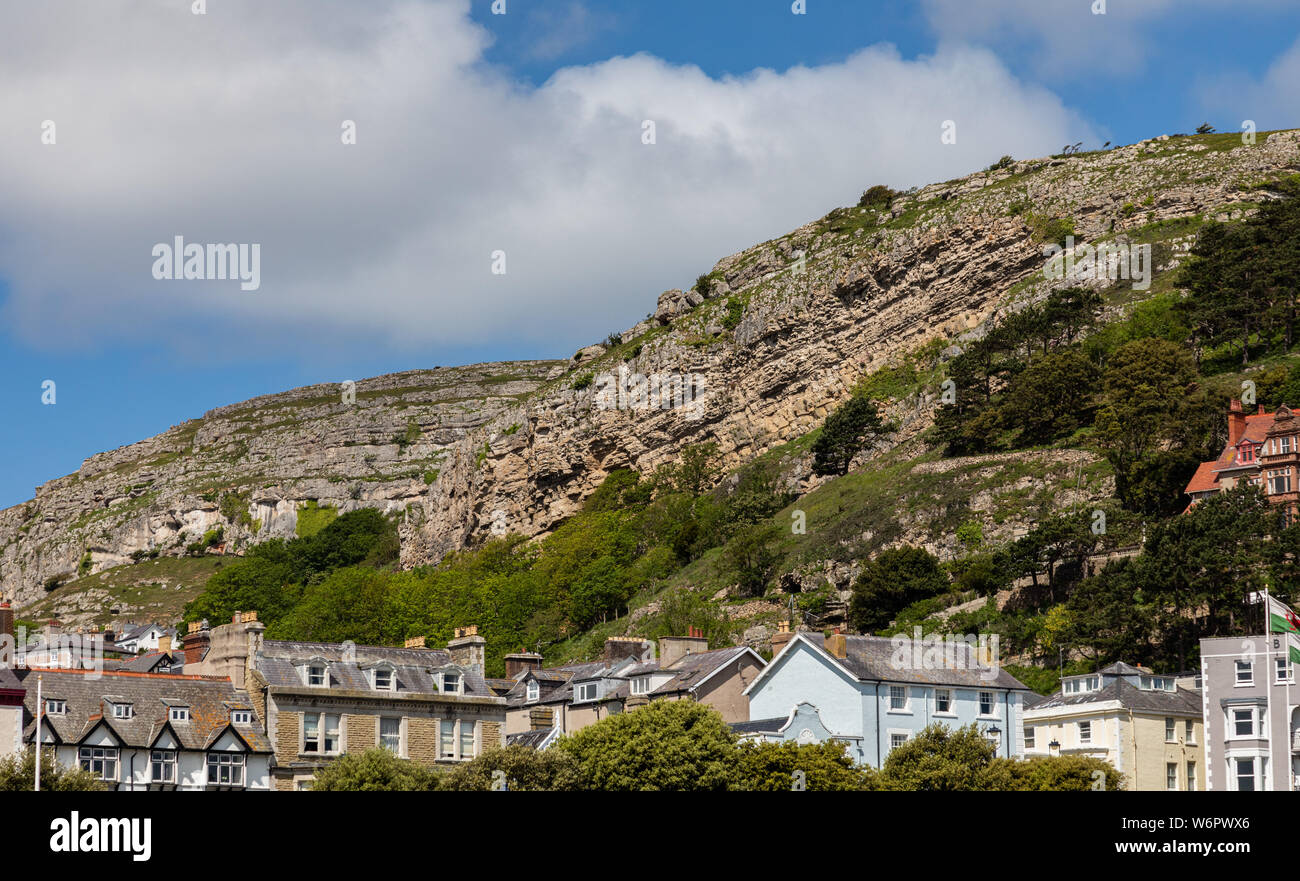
[{"x": 1206, "y": 478}]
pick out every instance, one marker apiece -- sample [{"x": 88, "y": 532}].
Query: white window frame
[
  {"x": 1171, "y": 729},
  {"x": 310, "y": 673},
  {"x": 178, "y": 714},
  {"x": 446, "y": 739},
  {"x": 583, "y": 689},
  {"x": 164, "y": 758},
  {"x": 398, "y": 748},
  {"x": 903, "y": 692},
  {"x": 1079, "y": 728},
  {"x": 1243, "y": 667},
  {"x": 993, "y": 705},
  {"x": 946, "y": 694},
  {"x": 904, "y": 733},
  {"x": 1191, "y": 776},
  {"x": 103, "y": 756},
  {"x": 123, "y": 711},
  {"x": 1171, "y": 769},
  {"x": 56, "y": 707},
  {"x": 387, "y": 672},
  {"x": 532, "y": 691},
  {"x": 241, "y": 717},
  {"x": 322, "y": 734},
  {"x": 226, "y": 764},
  {"x": 639, "y": 685},
  {"x": 457, "y": 685},
  {"x": 1189, "y": 731},
  {"x": 1031, "y": 737},
  {"x": 1282, "y": 671},
  {"x": 466, "y": 728}
]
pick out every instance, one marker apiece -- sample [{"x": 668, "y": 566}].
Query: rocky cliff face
[{"x": 776, "y": 340}]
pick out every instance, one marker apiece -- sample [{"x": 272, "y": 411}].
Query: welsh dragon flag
[{"x": 1281, "y": 619}]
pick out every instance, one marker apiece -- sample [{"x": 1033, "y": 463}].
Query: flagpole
[
  {"x": 39, "y": 706},
  {"x": 1269, "y": 675}
]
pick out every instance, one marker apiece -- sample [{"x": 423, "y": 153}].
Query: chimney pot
[{"x": 415, "y": 642}]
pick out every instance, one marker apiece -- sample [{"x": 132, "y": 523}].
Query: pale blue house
[{"x": 874, "y": 696}]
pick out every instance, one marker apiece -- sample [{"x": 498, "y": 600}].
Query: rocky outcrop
[{"x": 787, "y": 328}]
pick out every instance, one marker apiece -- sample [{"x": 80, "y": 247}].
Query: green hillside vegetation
[{"x": 1136, "y": 388}]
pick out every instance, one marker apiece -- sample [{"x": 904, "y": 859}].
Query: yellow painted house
[{"x": 1148, "y": 726}]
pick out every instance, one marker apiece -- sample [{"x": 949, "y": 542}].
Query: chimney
[
  {"x": 674, "y": 648},
  {"x": 7, "y": 620},
  {"x": 415, "y": 642},
  {"x": 781, "y": 637},
  {"x": 540, "y": 717},
  {"x": 467, "y": 649},
  {"x": 522, "y": 662},
  {"x": 837, "y": 646},
  {"x": 195, "y": 642},
  {"x": 1236, "y": 421},
  {"x": 164, "y": 644},
  {"x": 231, "y": 648},
  {"x": 619, "y": 647}
]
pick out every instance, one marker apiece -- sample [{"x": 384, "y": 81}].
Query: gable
[
  {"x": 228, "y": 742},
  {"x": 100, "y": 735}
]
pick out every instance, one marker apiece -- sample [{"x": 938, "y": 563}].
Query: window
[
  {"x": 1171, "y": 731},
  {"x": 1029, "y": 737},
  {"x": 466, "y": 739},
  {"x": 1245, "y": 775},
  {"x": 179, "y": 714},
  {"x": 162, "y": 764},
  {"x": 896, "y": 740},
  {"x": 587, "y": 691},
  {"x": 383, "y": 679},
  {"x": 943, "y": 700},
  {"x": 100, "y": 761},
  {"x": 641, "y": 685},
  {"x": 1286, "y": 443},
  {"x": 447, "y": 739},
  {"x": 898, "y": 697},
  {"x": 1283, "y": 669},
  {"x": 1191, "y": 776},
  {"x": 123, "y": 711},
  {"x": 1085, "y": 733},
  {"x": 1245, "y": 673},
  {"x": 1189, "y": 731},
  {"x": 1243, "y": 722},
  {"x": 1171, "y": 776},
  {"x": 320, "y": 733},
  {"x": 316, "y": 675},
  {"x": 390, "y": 734},
  {"x": 331, "y": 733},
  {"x": 1247, "y": 452},
  {"x": 241, "y": 717},
  {"x": 1279, "y": 481},
  {"x": 1082, "y": 684},
  {"x": 56, "y": 707},
  {"x": 534, "y": 690},
  {"x": 451, "y": 683},
  {"x": 226, "y": 769},
  {"x": 986, "y": 703}
]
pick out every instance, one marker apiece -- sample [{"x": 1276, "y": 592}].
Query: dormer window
[
  {"x": 382, "y": 677},
  {"x": 1247, "y": 453},
  {"x": 123, "y": 711},
  {"x": 451, "y": 683},
  {"x": 179, "y": 714},
  {"x": 641, "y": 685},
  {"x": 534, "y": 691},
  {"x": 316, "y": 675},
  {"x": 587, "y": 691},
  {"x": 56, "y": 707},
  {"x": 241, "y": 717}
]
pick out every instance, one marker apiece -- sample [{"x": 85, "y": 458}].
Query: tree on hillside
[
  {"x": 666, "y": 745},
  {"x": 893, "y": 580},
  {"x": 853, "y": 426}
]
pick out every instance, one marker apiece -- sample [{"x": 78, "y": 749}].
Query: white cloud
[{"x": 225, "y": 128}]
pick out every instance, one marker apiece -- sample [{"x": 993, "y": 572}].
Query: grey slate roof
[
  {"x": 694, "y": 668},
  {"x": 412, "y": 668},
  {"x": 87, "y": 697},
  {"x": 532, "y": 739},
  {"x": 1183, "y": 701},
  {"x": 870, "y": 658},
  {"x": 555, "y": 683},
  {"x": 147, "y": 663},
  {"x": 759, "y": 726}
]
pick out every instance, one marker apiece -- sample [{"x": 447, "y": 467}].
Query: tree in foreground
[
  {"x": 665, "y": 745},
  {"x": 520, "y": 768},
  {"x": 1053, "y": 774},
  {"x": 816, "y": 767},
  {"x": 375, "y": 770},
  {"x": 18, "y": 774}
]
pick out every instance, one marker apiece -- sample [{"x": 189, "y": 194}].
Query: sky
[{"x": 390, "y": 158}]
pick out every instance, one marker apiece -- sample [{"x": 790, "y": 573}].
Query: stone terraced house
[{"x": 318, "y": 701}]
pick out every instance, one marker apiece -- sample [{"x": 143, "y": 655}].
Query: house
[
  {"x": 1251, "y": 708},
  {"x": 1148, "y": 726},
  {"x": 868, "y": 692},
  {"x": 12, "y": 693},
  {"x": 803, "y": 725},
  {"x": 144, "y": 638},
  {"x": 138, "y": 731},
  {"x": 317, "y": 701},
  {"x": 1262, "y": 449},
  {"x": 630, "y": 675}
]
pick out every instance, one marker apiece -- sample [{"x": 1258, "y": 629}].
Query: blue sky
[{"x": 518, "y": 131}]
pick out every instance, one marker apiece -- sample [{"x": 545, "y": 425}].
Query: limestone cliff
[{"x": 775, "y": 341}]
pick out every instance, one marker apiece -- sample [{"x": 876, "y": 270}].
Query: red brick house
[{"x": 1263, "y": 449}]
